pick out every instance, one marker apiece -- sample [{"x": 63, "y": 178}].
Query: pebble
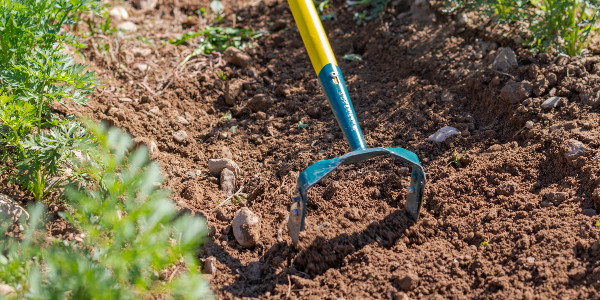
[
  {"x": 246, "y": 227},
  {"x": 590, "y": 212},
  {"x": 182, "y": 120},
  {"x": 530, "y": 259},
  {"x": 575, "y": 149},
  {"x": 216, "y": 165},
  {"x": 180, "y": 136},
  {"x": 155, "y": 111},
  {"x": 529, "y": 124},
  {"x": 10, "y": 210},
  {"x": 127, "y": 26},
  {"x": 552, "y": 102},
  {"x": 227, "y": 182},
  {"x": 236, "y": 57},
  {"x": 462, "y": 19},
  {"x": 505, "y": 59},
  {"x": 515, "y": 92},
  {"x": 447, "y": 96},
  {"x": 443, "y": 133},
  {"x": 145, "y": 4},
  {"x": 118, "y": 13},
  {"x": 140, "y": 67},
  {"x": 210, "y": 265},
  {"x": 117, "y": 113},
  {"x": 125, "y": 100}
]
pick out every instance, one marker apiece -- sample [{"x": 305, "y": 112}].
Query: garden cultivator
[{"x": 331, "y": 79}]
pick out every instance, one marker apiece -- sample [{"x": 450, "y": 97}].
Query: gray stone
[
  {"x": 556, "y": 197},
  {"x": 505, "y": 60},
  {"x": 515, "y": 92},
  {"x": 227, "y": 181},
  {"x": 246, "y": 228},
  {"x": 216, "y": 165},
  {"x": 233, "y": 89},
  {"x": 590, "y": 212},
  {"x": 552, "y": 102},
  {"x": 182, "y": 120},
  {"x": 529, "y": 124},
  {"x": 443, "y": 133},
  {"x": 575, "y": 149}
]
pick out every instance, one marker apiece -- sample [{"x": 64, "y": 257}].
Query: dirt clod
[
  {"x": 233, "y": 89},
  {"x": 406, "y": 281},
  {"x": 506, "y": 188},
  {"x": 301, "y": 282},
  {"x": 514, "y": 92},
  {"x": 246, "y": 228},
  {"x": 236, "y": 57},
  {"x": 556, "y": 197},
  {"x": 575, "y": 149},
  {"x": 259, "y": 102},
  {"x": 505, "y": 59}
]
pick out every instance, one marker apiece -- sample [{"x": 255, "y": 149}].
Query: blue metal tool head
[{"x": 320, "y": 169}]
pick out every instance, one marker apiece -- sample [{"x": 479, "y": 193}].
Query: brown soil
[{"x": 513, "y": 218}]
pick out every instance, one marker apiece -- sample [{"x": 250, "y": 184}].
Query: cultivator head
[
  {"x": 320, "y": 169},
  {"x": 333, "y": 84}
]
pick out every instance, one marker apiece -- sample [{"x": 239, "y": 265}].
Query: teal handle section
[{"x": 335, "y": 89}]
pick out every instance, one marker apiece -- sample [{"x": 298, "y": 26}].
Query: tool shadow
[{"x": 282, "y": 260}]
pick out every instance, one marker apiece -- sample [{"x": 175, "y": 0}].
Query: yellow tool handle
[{"x": 313, "y": 35}]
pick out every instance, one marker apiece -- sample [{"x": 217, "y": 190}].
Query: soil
[{"x": 508, "y": 211}]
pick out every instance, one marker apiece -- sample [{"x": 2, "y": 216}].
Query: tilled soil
[{"x": 508, "y": 212}]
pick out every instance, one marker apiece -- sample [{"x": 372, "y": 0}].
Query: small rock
[
  {"x": 443, "y": 133},
  {"x": 506, "y": 188},
  {"x": 552, "y": 102},
  {"x": 556, "y": 197},
  {"x": 494, "y": 148},
  {"x": 118, "y": 13},
  {"x": 447, "y": 96},
  {"x": 150, "y": 145},
  {"x": 233, "y": 89},
  {"x": 575, "y": 149},
  {"x": 226, "y": 152},
  {"x": 210, "y": 265},
  {"x": 577, "y": 273},
  {"x": 530, "y": 259},
  {"x": 222, "y": 215},
  {"x": 505, "y": 60},
  {"x": 155, "y": 111},
  {"x": 515, "y": 92},
  {"x": 462, "y": 19},
  {"x": 143, "y": 52},
  {"x": 180, "y": 136},
  {"x": 283, "y": 91},
  {"x": 499, "y": 282},
  {"x": 590, "y": 212},
  {"x": 406, "y": 282},
  {"x": 259, "y": 102},
  {"x": 278, "y": 25},
  {"x": 145, "y": 4},
  {"x": 10, "y": 210},
  {"x": 529, "y": 124},
  {"x": 125, "y": 100},
  {"x": 145, "y": 99},
  {"x": 246, "y": 227},
  {"x": 216, "y": 165},
  {"x": 182, "y": 120},
  {"x": 227, "y": 182},
  {"x": 7, "y": 291},
  {"x": 127, "y": 26},
  {"x": 254, "y": 271},
  {"x": 236, "y": 57},
  {"x": 140, "y": 67}
]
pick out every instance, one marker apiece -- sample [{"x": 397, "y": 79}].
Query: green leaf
[{"x": 302, "y": 125}]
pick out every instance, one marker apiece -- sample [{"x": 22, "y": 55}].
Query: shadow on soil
[{"x": 258, "y": 278}]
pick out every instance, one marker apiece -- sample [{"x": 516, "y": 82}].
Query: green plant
[
  {"x": 484, "y": 243},
  {"x": 35, "y": 72},
  {"x": 566, "y": 26},
  {"x": 370, "y": 9},
  {"x": 302, "y": 125},
  {"x": 130, "y": 235},
  {"x": 457, "y": 157},
  {"x": 217, "y": 39},
  {"x": 321, "y": 6},
  {"x": 226, "y": 116}
]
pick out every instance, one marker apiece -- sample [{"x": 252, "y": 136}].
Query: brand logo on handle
[{"x": 347, "y": 107}]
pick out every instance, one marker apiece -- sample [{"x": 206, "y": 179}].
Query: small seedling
[
  {"x": 226, "y": 116},
  {"x": 484, "y": 243},
  {"x": 222, "y": 76},
  {"x": 233, "y": 129},
  {"x": 597, "y": 224},
  {"x": 456, "y": 156},
  {"x": 302, "y": 125}
]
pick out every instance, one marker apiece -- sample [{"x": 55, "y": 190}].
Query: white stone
[
  {"x": 119, "y": 13},
  {"x": 529, "y": 124},
  {"x": 180, "y": 136},
  {"x": 127, "y": 26},
  {"x": 216, "y": 165},
  {"x": 246, "y": 227},
  {"x": 443, "y": 133}
]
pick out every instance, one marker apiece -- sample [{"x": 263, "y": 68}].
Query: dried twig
[
  {"x": 289, "y": 291},
  {"x": 229, "y": 198}
]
